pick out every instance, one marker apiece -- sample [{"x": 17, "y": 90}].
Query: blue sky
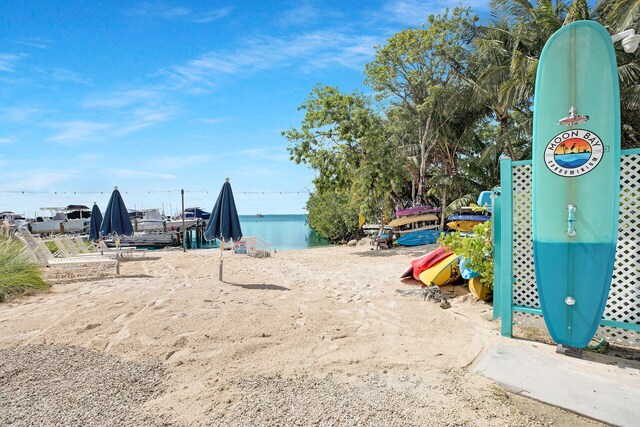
[{"x": 158, "y": 96}]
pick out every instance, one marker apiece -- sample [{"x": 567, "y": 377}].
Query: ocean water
[
  {"x": 284, "y": 232},
  {"x": 572, "y": 160}
]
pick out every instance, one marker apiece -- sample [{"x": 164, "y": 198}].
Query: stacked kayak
[
  {"x": 425, "y": 262},
  {"x": 466, "y": 222},
  {"x": 442, "y": 267},
  {"x": 417, "y": 238},
  {"x": 442, "y": 273},
  {"x": 439, "y": 267}
]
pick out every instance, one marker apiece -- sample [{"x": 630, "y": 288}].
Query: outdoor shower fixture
[{"x": 629, "y": 40}]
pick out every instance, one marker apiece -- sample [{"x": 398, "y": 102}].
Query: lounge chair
[
  {"x": 385, "y": 241},
  {"x": 66, "y": 267},
  {"x": 77, "y": 246},
  {"x": 101, "y": 248}
]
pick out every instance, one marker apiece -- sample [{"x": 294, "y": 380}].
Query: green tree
[
  {"x": 346, "y": 141},
  {"x": 332, "y": 215},
  {"x": 415, "y": 71}
]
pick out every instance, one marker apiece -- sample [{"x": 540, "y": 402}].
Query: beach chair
[
  {"x": 385, "y": 241},
  {"x": 101, "y": 248},
  {"x": 82, "y": 246},
  {"x": 64, "y": 247},
  {"x": 62, "y": 268}
]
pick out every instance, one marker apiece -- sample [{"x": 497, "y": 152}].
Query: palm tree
[{"x": 620, "y": 15}]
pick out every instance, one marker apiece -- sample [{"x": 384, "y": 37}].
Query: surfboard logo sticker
[{"x": 573, "y": 153}]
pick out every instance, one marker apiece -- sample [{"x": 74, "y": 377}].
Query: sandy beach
[{"x": 313, "y": 337}]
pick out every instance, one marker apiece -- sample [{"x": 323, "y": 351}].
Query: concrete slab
[{"x": 599, "y": 387}]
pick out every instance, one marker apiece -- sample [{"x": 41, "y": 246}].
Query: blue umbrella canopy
[
  {"x": 95, "y": 222},
  {"x": 116, "y": 218},
  {"x": 224, "y": 223}
]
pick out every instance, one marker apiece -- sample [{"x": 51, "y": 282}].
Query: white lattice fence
[{"x": 623, "y": 304}]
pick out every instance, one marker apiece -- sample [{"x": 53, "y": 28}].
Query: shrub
[
  {"x": 18, "y": 274},
  {"x": 477, "y": 248},
  {"x": 332, "y": 216}
]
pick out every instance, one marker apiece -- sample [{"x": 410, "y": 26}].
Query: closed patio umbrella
[
  {"x": 95, "y": 222},
  {"x": 224, "y": 223},
  {"x": 116, "y": 218}
]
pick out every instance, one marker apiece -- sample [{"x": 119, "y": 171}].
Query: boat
[
  {"x": 70, "y": 219},
  {"x": 13, "y": 219},
  {"x": 479, "y": 290},
  {"x": 418, "y": 238},
  {"x": 465, "y": 271},
  {"x": 425, "y": 262},
  {"x": 196, "y": 212},
  {"x": 259, "y": 215},
  {"x": 373, "y": 229},
  {"x": 152, "y": 220},
  {"x": 178, "y": 223},
  {"x": 410, "y": 224},
  {"x": 416, "y": 211},
  {"x": 147, "y": 239},
  {"x": 465, "y": 222},
  {"x": 443, "y": 273}
]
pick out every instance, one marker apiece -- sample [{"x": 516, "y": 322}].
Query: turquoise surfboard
[{"x": 576, "y": 179}]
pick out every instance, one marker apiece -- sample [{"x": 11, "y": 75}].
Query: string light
[{"x": 144, "y": 191}]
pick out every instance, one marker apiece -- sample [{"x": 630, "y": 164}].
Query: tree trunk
[
  {"x": 413, "y": 190},
  {"x": 444, "y": 205},
  {"x": 504, "y": 127},
  {"x": 424, "y": 152}
]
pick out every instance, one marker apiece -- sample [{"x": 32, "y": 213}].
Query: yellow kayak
[
  {"x": 443, "y": 273},
  {"x": 479, "y": 290},
  {"x": 463, "y": 225}
]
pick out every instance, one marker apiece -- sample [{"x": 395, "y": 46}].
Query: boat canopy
[{"x": 152, "y": 214}]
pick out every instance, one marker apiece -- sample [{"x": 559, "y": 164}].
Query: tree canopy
[{"x": 450, "y": 99}]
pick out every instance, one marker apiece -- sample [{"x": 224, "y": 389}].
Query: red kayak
[{"x": 425, "y": 262}]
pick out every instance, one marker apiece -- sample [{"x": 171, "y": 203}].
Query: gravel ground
[
  {"x": 43, "y": 385},
  {"x": 363, "y": 401}
]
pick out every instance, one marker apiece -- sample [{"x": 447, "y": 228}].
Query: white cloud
[
  {"x": 64, "y": 75},
  {"x": 165, "y": 11},
  {"x": 178, "y": 162},
  {"x": 9, "y": 61},
  {"x": 143, "y": 117},
  {"x": 212, "y": 15},
  {"x": 122, "y": 98},
  {"x": 316, "y": 49},
  {"x": 7, "y": 140},
  {"x": 36, "y": 42},
  {"x": 160, "y": 10},
  {"x": 79, "y": 131},
  {"x": 415, "y": 12},
  {"x": 131, "y": 173},
  {"x": 304, "y": 13},
  {"x": 19, "y": 114},
  {"x": 39, "y": 179},
  {"x": 214, "y": 121}
]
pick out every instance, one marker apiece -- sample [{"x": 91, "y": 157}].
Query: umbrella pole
[{"x": 221, "y": 258}]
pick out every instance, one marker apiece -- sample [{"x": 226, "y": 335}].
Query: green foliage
[
  {"x": 332, "y": 216},
  {"x": 17, "y": 274},
  {"x": 476, "y": 248},
  {"x": 345, "y": 139},
  {"x": 450, "y": 99}
]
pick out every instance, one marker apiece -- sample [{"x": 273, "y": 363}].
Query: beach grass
[{"x": 18, "y": 275}]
